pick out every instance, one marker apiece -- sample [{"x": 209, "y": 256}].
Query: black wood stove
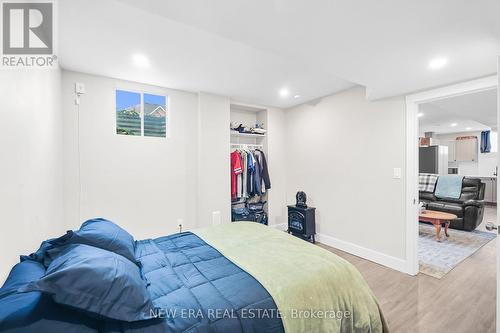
[{"x": 301, "y": 222}]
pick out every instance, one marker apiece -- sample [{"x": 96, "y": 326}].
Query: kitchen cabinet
[
  {"x": 451, "y": 150},
  {"x": 466, "y": 150},
  {"x": 490, "y": 191}
]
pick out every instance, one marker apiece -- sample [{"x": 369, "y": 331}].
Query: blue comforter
[{"x": 193, "y": 286}]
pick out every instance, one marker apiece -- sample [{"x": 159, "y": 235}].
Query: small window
[
  {"x": 128, "y": 113},
  {"x": 141, "y": 114},
  {"x": 155, "y": 115}
]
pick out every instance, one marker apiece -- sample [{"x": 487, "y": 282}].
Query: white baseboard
[{"x": 377, "y": 257}]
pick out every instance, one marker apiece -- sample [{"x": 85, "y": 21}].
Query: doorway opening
[
  {"x": 457, "y": 179},
  {"x": 443, "y": 123}
]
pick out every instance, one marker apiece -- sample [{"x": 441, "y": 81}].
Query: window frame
[
  {"x": 141, "y": 93},
  {"x": 494, "y": 142}
]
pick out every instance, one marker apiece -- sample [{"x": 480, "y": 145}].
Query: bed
[{"x": 239, "y": 277}]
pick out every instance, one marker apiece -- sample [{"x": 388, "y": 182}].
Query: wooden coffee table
[{"x": 438, "y": 219}]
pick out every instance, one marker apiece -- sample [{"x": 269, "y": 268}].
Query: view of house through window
[
  {"x": 128, "y": 113},
  {"x": 141, "y": 114},
  {"x": 155, "y": 115}
]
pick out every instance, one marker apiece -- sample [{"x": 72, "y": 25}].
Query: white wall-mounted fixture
[
  {"x": 216, "y": 218},
  {"x": 79, "y": 88},
  {"x": 140, "y": 60},
  {"x": 396, "y": 173},
  {"x": 438, "y": 63},
  {"x": 79, "y": 91}
]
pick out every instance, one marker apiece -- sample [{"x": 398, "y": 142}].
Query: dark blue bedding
[
  {"x": 34, "y": 311},
  {"x": 193, "y": 287}
]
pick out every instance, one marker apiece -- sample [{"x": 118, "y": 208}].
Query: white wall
[
  {"x": 147, "y": 184},
  {"x": 31, "y": 197},
  {"x": 214, "y": 192},
  {"x": 144, "y": 184},
  {"x": 342, "y": 152},
  {"x": 277, "y": 165}
]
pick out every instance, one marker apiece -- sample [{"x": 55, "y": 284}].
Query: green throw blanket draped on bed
[{"x": 301, "y": 277}]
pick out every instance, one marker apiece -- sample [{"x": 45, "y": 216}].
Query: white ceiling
[
  {"x": 249, "y": 50},
  {"x": 471, "y": 112}
]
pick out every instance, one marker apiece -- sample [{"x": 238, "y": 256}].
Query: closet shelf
[{"x": 247, "y": 135}]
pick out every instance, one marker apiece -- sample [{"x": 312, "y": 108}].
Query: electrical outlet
[
  {"x": 216, "y": 218},
  {"x": 180, "y": 224}
]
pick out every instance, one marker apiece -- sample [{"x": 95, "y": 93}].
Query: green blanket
[{"x": 314, "y": 289}]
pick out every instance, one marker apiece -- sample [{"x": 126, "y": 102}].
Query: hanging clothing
[
  {"x": 264, "y": 173},
  {"x": 244, "y": 157},
  {"x": 485, "y": 142},
  {"x": 235, "y": 171},
  {"x": 249, "y": 183},
  {"x": 239, "y": 180},
  {"x": 257, "y": 180},
  {"x": 249, "y": 174}
]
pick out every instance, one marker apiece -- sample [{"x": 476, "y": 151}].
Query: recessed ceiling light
[
  {"x": 284, "y": 92},
  {"x": 296, "y": 96},
  {"x": 140, "y": 60},
  {"x": 438, "y": 63},
  {"x": 453, "y": 124},
  {"x": 420, "y": 114},
  {"x": 468, "y": 128}
]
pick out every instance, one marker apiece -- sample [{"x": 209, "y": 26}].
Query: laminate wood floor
[{"x": 464, "y": 300}]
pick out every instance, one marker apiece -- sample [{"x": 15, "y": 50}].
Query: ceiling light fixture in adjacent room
[
  {"x": 140, "y": 60},
  {"x": 468, "y": 128},
  {"x": 438, "y": 63},
  {"x": 453, "y": 124},
  {"x": 296, "y": 96},
  {"x": 420, "y": 114},
  {"x": 284, "y": 92}
]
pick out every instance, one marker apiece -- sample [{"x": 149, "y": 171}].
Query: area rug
[{"x": 438, "y": 258}]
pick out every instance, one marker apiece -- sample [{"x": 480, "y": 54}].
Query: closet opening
[{"x": 250, "y": 180}]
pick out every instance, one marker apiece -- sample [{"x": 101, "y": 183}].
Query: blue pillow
[
  {"x": 104, "y": 234},
  {"x": 41, "y": 255},
  {"x": 96, "y": 281}
]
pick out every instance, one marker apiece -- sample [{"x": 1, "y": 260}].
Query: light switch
[{"x": 397, "y": 173}]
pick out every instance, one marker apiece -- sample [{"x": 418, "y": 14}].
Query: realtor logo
[
  {"x": 27, "y": 28},
  {"x": 28, "y": 34}
]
